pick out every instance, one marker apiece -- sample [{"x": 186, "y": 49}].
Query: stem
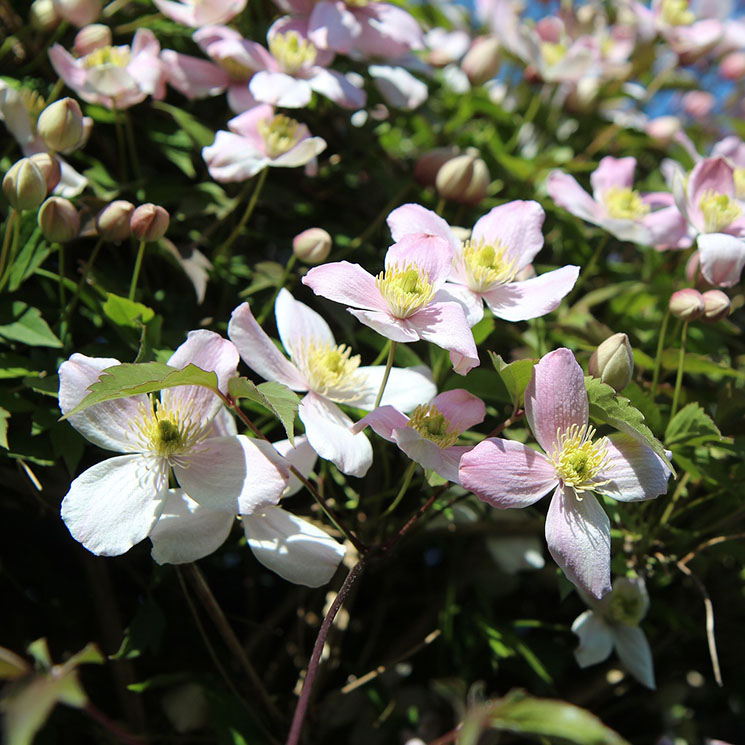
[
  {"x": 585, "y": 275},
  {"x": 86, "y": 271},
  {"x": 6, "y": 239},
  {"x": 129, "y": 133},
  {"x": 658, "y": 356},
  {"x": 61, "y": 257},
  {"x": 54, "y": 93},
  {"x": 404, "y": 486},
  {"x": 389, "y": 544},
  {"x": 113, "y": 728},
  {"x": 224, "y": 249},
  {"x": 386, "y": 374},
  {"x": 268, "y": 306},
  {"x": 301, "y": 709},
  {"x": 440, "y": 206},
  {"x": 383, "y": 354},
  {"x": 5, "y": 276},
  {"x": 375, "y": 222},
  {"x": 120, "y": 144},
  {"x": 679, "y": 376},
  {"x": 136, "y": 272}
]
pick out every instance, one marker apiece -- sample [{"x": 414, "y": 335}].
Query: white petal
[
  {"x": 407, "y": 387},
  {"x": 595, "y": 639},
  {"x": 297, "y": 325},
  {"x": 302, "y": 456},
  {"x": 633, "y": 650}
]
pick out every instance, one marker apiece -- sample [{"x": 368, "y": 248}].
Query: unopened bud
[
  {"x": 698, "y": 104},
  {"x": 613, "y": 362},
  {"x": 687, "y": 304},
  {"x": 627, "y": 603},
  {"x": 24, "y": 185},
  {"x": 43, "y": 16},
  {"x": 427, "y": 166},
  {"x": 716, "y": 305},
  {"x": 59, "y": 220},
  {"x": 149, "y": 222},
  {"x": 732, "y": 67},
  {"x": 61, "y": 124},
  {"x": 482, "y": 60},
  {"x": 49, "y": 167},
  {"x": 312, "y": 246},
  {"x": 663, "y": 129},
  {"x": 78, "y": 12},
  {"x": 112, "y": 222},
  {"x": 464, "y": 179},
  {"x": 91, "y": 37}
]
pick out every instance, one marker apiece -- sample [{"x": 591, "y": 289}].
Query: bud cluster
[{"x": 690, "y": 305}]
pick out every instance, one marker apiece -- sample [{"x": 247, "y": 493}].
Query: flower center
[
  {"x": 236, "y": 68},
  {"x": 356, "y": 3},
  {"x": 432, "y": 424},
  {"x": 280, "y": 134},
  {"x": 739, "y": 177},
  {"x": 292, "y": 51},
  {"x": 108, "y": 55},
  {"x": 718, "y": 210},
  {"x": 329, "y": 370},
  {"x": 552, "y": 52},
  {"x": 577, "y": 459},
  {"x": 622, "y": 203},
  {"x": 625, "y": 608},
  {"x": 404, "y": 289},
  {"x": 677, "y": 13},
  {"x": 34, "y": 105},
  {"x": 487, "y": 265}
]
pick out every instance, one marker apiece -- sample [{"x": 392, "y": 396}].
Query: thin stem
[
  {"x": 81, "y": 283},
  {"x": 4, "y": 277},
  {"x": 54, "y": 93},
  {"x": 129, "y": 132},
  {"x": 109, "y": 724},
  {"x": 404, "y": 487},
  {"x": 224, "y": 249},
  {"x": 136, "y": 272},
  {"x": 658, "y": 356},
  {"x": 383, "y": 354},
  {"x": 679, "y": 376},
  {"x": 589, "y": 268},
  {"x": 440, "y": 206},
  {"x": 301, "y": 709},
  {"x": 374, "y": 223},
  {"x": 389, "y": 544},
  {"x": 6, "y": 239},
  {"x": 266, "y": 310},
  {"x": 61, "y": 257},
  {"x": 386, "y": 374}
]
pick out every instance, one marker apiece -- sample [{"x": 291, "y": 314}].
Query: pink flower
[
  {"x": 506, "y": 473},
  {"x": 197, "y": 13},
  {"x": 116, "y": 503},
  {"x": 429, "y": 435},
  {"x": 400, "y": 302},
  {"x": 648, "y": 219},
  {"x": 329, "y": 373},
  {"x": 114, "y": 77},
  {"x": 721, "y": 258},
  {"x": 260, "y": 139}
]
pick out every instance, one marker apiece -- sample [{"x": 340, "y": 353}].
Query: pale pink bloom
[
  {"x": 721, "y": 258},
  {"x": 78, "y": 12},
  {"x": 698, "y": 104},
  {"x": 506, "y": 473},
  {"x": 648, "y": 219},
  {"x": 117, "y": 503},
  {"x": 428, "y": 437},
  {"x": 198, "y": 13},
  {"x": 400, "y": 302},
  {"x": 445, "y": 46},
  {"x": 260, "y": 139},
  {"x": 329, "y": 373},
  {"x": 398, "y": 87},
  {"x": 114, "y": 77}
]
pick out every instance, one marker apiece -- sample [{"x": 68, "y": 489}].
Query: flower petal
[
  {"x": 633, "y": 650},
  {"x": 279, "y": 89},
  {"x": 429, "y": 455},
  {"x": 297, "y": 324},
  {"x": 233, "y": 158},
  {"x": 407, "y": 387},
  {"x": 722, "y": 258},
  {"x": 567, "y": 193},
  {"x": 384, "y": 420},
  {"x": 462, "y": 409},
  {"x": 470, "y": 301},
  {"x": 192, "y": 76},
  {"x": 415, "y": 219},
  {"x": 386, "y": 325},
  {"x": 612, "y": 172},
  {"x": 338, "y": 88},
  {"x": 345, "y": 283},
  {"x": 595, "y": 639},
  {"x": 445, "y": 325},
  {"x": 302, "y": 456},
  {"x": 431, "y": 255}
]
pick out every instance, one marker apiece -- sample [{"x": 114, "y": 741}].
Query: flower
[
  {"x": 614, "y": 622},
  {"x": 117, "y": 503},
  {"x": 400, "y": 302},
  {"x": 197, "y": 13},
  {"x": 329, "y": 372},
  {"x": 429, "y": 435},
  {"x": 506, "y": 473},
  {"x": 260, "y": 139}
]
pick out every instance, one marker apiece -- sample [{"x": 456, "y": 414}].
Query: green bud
[
  {"x": 112, "y": 222},
  {"x": 59, "y": 220},
  {"x": 24, "y": 185},
  {"x": 627, "y": 603},
  {"x": 464, "y": 179},
  {"x": 61, "y": 124},
  {"x": 49, "y": 167},
  {"x": 613, "y": 362}
]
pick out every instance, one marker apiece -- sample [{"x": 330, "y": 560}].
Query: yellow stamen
[
  {"x": 677, "y": 13},
  {"x": 405, "y": 289},
  {"x": 740, "y": 183},
  {"x": 433, "y": 425},
  {"x": 330, "y": 370},
  {"x": 553, "y": 53},
  {"x": 292, "y": 51},
  {"x": 718, "y": 210},
  {"x": 280, "y": 134},
  {"x": 578, "y": 460},
  {"x": 622, "y": 203},
  {"x": 236, "y": 68},
  {"x": 487, "y": 265},
  {"x": 116, "y": 56}
]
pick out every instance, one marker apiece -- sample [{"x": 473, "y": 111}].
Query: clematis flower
[
  {"x": 428, "y": 437},
  {"x": 114, "y": 77},
  {"x": 721, "y": 258},
  {"x": 612, "y": 622},
  {"x": 506, "y": 473},
  {"x": 647, "y": 219},
  {"x": 117, "y": 503},
  {"x": 400, "y": 303},
  {"x": 198, "y": 13},
  {"x": 329, "y": 373},
  {"x": 398, "y": 87},
  {"x": 260, "y": 139}
]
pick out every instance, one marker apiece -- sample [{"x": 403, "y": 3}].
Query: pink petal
[
  {"x": 413, "y": 218},
  {"x": 722, "y": 258},
  {"x": 470, "y": 301},
  {"x": 302, "y": 153},
  {"x": 462, "y": 409},
  {"x": 432, "y": 255},
  {"x": 445, "y": 325},
  {"x": 429, "y": 455},
  {"x": 247, "y": 124},
  {"x": 567, "y": 193},
  {"x": 233, "y": 158},
  {"x": 280, "y": 89},
  {"x": 179, "y": 12},
  {"x": 240, "y": 98},
  {"x": 710, "y": 174},
  {"x": 578, "y": 537},
  {"x": 345, "y": 283},
  {"x": 668, "y": 227},
  {"x": 333, "y": 26},
  {"x": 612, "y": 172},
  {"x": 398, "y": 87},
  {"x": 193, "y": 77},
  {"x": 338, "y": 88},
  {"x": 387, "y": 31},
  {"x": 298, "y": 325},
  {"x": 384, "y": 420},
  {"x": 386, "y": 325},
  {"x": 67, "y": 67}
]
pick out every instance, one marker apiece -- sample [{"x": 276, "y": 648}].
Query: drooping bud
[
  {"x": 312, "y": 246},
  {"x": 43, "y": 16},
  {"x": 463, "y": 179},
  {"x": 482, "y": 60},
  {"x": 613, "y": 362},
  {"x": 149, "y": 222},
  {"x": 59, "y": 220},
  {"x": 61, "y": 124},
  {"x": 49, "y": 167},
  {"x": 24, "y": 185},
  {"x": 687, "y": 304},
  {"x": 112, "y": 222},
  {"x": 78, "y": 12},
  {"x": 427, "y": 165},
  {"x": 716, "y": 305},
  {"x": 91, "y": 37}
]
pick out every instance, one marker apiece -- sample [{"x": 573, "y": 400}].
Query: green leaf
[
  {"x": 278, "y": 398},
  {"x": 31, "y": 256},
  {"x": 4, "y": 416},
  {"x": 698, "y": 364},
  {"x": 608, "y": 406},
  {"x": 25, "y": 325},
  {"x": 131, "y": 379},
  {"x": 145, "y": 632},
  {"x": 514, "y": 375},
  {"x": 15, "y": 366},
  {"x": 691, "y": 426},
  {"x": 201, "y": 135},
  {"x": 124, "y": 312}
]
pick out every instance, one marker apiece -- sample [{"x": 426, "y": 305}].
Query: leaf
[
  {"x": 145, "y": 632},
  {"x": 131, "y": 379},
  {"x": 691, "y": 426},
  {"x": 4, "y": 416},
  {"x": 698, "y": 364},
  {"x": 608, "y": 406},
  {"x": 124, "y": 312},
  {"x": 15, "y": 366},
  {"x": 278, "y": 398},
  {"x": 514, "y": 375},
  {"x": 201, "y": 135},
  {"x": 26, "y": 326},
  {"x": 32, "y": 255}
]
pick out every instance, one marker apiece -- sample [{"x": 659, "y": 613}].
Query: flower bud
[
  {"x": 112, "y": 222},
  {"x": 43, "y": 16},
  {"x": 49, "y": 167},
  {"x": 482, "y": 60},
  {"x": 312, "y": 246},
  {"x": 613, "y": 362},
  {"x": 732, "y": 67},
  {"x": 663, "y": 129},
  {"x": 91, "y": 37},
  {"x": 716, "y": 305},
  {"x": 149, "y": 222},
  {"x": 59, "y": 220},
  {"x": 61, "y": 124},
  {"x": 24, "y": 185},
  {"x": 698, "y": 104},
  {"x": 687, "y": 304},
  {"x": 627, "y": 603},
  {"x": 78, "y": 12},
  {"x": 427, "y": 165},
  {"x": 464, "y": 179}
]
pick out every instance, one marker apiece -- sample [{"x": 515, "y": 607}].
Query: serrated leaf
[
  {"x": 691, "y": 426},
  {"x": 124, "y": 312},
  {"x": 514, "y": 375},
  {"x": 4, "y": 416},
  {"x": 278, "y": 398},
  {"x": 131, "y": 379},
  {"x": 25, "y": 325},
  {"x": 608, "y": 406}
]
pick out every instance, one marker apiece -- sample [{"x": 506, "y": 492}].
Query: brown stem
[
  {"x": 519, "y": 414},
  {"x": 110, "y": 725}
]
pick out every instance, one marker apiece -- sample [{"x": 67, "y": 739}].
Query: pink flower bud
[
  {"x": 43, "y": 16},
  {"x": 24, "y": 185},
  {"x": 112, "y": 222},
  {"x": 149, "y": 222},
  {"x": 613, "y": 362},
  {"x": 61, "y": 124},
  {"x": 732, "y": 67},
  {"x": 91, "y": 37},
  {"x": 698, "y": 104},
  {"x": 49, "y": 167},
  {"x": 716, "y": 305},
  {"x": 663, "y": 129},
  {"x": 312, "y": 246},
  {"x": 78, "y": 12},
  {"x": 59, "y": 220},
  {"x": 688, "y": 304},
  {"x": 464, "y": 179},
  {"x": 482, "y": 60}
]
